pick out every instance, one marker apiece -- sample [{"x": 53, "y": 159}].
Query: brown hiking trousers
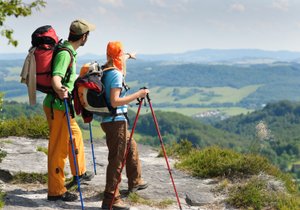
[{"x": 117, "y": 136}]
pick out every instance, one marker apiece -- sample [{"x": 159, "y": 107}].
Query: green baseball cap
[{"x": 80, "y": 26}]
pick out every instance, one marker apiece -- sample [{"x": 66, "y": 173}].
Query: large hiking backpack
[
  {"x": 89, "y": 93},
  {"x": 45, "y": 45}
]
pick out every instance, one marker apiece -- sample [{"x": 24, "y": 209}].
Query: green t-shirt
[{"x": 61, "y": 63}]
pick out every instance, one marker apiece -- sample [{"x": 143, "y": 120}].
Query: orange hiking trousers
[{"x": 59, "y": 148}]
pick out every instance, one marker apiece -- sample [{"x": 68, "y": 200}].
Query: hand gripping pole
[{"x": 73, "y": 151}]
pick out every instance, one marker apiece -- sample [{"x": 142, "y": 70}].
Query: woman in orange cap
[{"x": 116, "y": 127}]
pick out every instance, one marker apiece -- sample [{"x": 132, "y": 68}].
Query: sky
[{"x": 168, "y": 26}]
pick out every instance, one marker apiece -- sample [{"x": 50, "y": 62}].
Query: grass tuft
[
  {"x": 2, "y": 196},
  {"x": 255, "y": 194},
  {"x": 178, "y": 150},
  {"x": 134, "y": 198},
  {"x": 252, "y": 194},
  {"x": 42, "y": 149},
  {"x": 2, "y": 155},
  {"x": 22, "y": 177}
]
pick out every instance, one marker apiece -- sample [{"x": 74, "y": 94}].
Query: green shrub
[
  {"x": 214, "y": 162},
  {"x": 287, "y": 202},
  {"x": 184, "y": 147},
  {"x": 1, "y": 100},
  {"x": 22, "y": 177},
  {"x": 2, "y": 155},
  {"x": 42, "y": 149},
  {"x": 32, "y": 127},
  {"x": 252, "y": 194},
  {"x": 2, "y": 202},
  {"x": 217, "y": 162}
]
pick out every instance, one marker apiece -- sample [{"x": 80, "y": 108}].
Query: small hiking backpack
[
  {"x": 45, "y": 45},
  {"x": 89, "y": 93}
]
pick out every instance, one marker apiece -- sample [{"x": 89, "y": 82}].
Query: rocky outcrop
[{"x": 22, "y": 155}]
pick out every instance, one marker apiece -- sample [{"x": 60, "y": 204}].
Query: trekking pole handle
[
  {"x": 143, "y": 88},
  {"x": 65, "y": 89},
  {"x": 148, "y": 98}
]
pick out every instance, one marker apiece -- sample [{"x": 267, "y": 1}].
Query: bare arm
[
  {"x": 117, "y": 101},
  {"x": 58, "y": 87},
  {"x": 131, "y": 55}
]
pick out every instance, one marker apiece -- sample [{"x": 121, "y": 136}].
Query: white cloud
[
  {"x": 282, "y": 5},
  {"x": 238, "y": 7},
  {"x": 102, "y": 10},
  {"x": 114, "y": 3},
  {"x": 221, "y": 25},
  {"x": 151, "y": 17},
  {"x": 159, "y": 3},
  {"x": 171, "y": 5},
  {"x": 65, "y": 2},
  {"x": 62, "y": 5}
]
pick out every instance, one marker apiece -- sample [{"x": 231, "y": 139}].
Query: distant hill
[
  {"x": 192, "y": 85},
  {"x": 234, "y": 85},
  {"x": 281, "y": 126},
  {"x": 175, "y": 127},
  {"x": 282, "y": 118},
  {"x": 12, "y": 56},
  {"x": 202, "y": 56},
  {"x": 276, "y": 81},
  {"x": 227, "y": 56}
]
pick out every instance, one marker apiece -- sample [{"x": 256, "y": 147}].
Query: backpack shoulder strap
[
  {"x": 108, "y": 69},
  {"x": 58, "y": 49}
]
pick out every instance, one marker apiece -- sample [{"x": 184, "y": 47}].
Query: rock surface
[{"x": 22, "y": 156}]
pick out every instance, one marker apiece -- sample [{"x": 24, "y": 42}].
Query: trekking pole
[
  {"x": 73, "y": 151},
  {"x": 92, "y": 145},
  {"x": 127, "y": 150},
  {"x": 163, "y": 148}
]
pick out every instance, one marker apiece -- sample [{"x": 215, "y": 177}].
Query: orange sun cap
[{"x": 115, "y": 51}]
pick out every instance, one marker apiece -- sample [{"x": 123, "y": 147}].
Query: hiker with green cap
[{"x": 59, "y": 148}]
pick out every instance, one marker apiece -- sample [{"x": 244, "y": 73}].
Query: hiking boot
[
  {"x": 64, "y": 197},
  {"x": 87, "y": 176},
  {"x": 118, "y": 205},
  {"x": 141, "y": 186}
]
